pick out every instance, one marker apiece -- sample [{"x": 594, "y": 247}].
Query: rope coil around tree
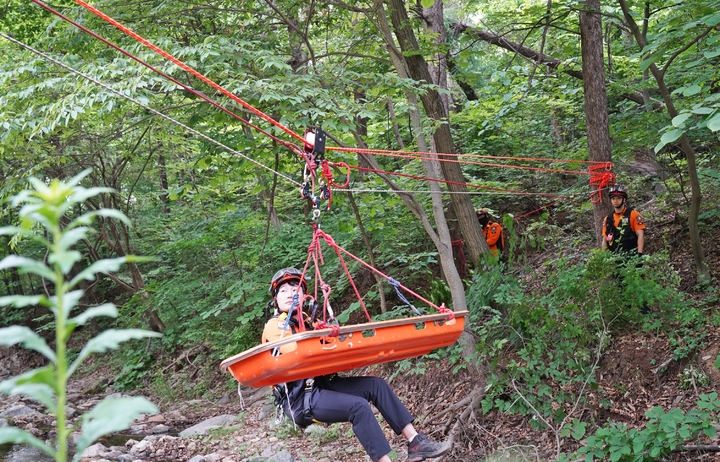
[{"x": 601, "y": 177}]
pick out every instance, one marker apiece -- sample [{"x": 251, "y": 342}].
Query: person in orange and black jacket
[
  {"x": 331, "y": 398},
  {"x": 492, "y": 231},
  {"x": 623, "y": 230}
]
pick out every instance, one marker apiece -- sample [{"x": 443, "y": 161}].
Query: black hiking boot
[{"x": 422, "y": 447}]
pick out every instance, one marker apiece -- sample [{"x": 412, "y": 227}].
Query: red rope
[
  {"x": 427, "y": 155},
  {"x": 185, "y": 87},
  {"x": 403, "y": 155},
  {"x": 601, "y": 177},
  {"x": 469, "y": 185},
  {"x": 187, "y": 68},
  {"x": 319, "y": 234}
]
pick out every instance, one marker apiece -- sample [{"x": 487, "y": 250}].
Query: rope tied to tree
[{"x": 601, "y": 177}]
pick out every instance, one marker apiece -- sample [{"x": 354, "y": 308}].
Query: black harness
[{"x": 624, "y": 238}]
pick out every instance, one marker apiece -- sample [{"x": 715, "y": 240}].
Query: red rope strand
[
  {"x": 187, "y": 68},
  {"x": 185, "y": 87}
]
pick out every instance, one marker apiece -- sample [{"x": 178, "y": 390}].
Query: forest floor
[{"x": 635, "y": 373}]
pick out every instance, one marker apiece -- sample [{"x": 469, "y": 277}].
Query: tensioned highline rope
[
  {"x": 156, "y": 112},
  {"x": 248, "y": 106},
  {"x": 211, "y": 140},
  {"x": 163, "y": 74},
  {"x": 597, "y": 178},
  {"x": 184, "y": 66}
]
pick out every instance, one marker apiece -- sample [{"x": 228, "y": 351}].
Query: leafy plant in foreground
[
  {"x": 664, "y": 432},
  {"x": 48, "y": 206}
]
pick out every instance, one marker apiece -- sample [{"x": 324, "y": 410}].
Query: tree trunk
[
  {"x": 441, "y": 239},
  {"x": 596, "y": 107},
  {"x": 418, "y": 70},
  {"x": 162, "y": 176},
  {"x": 701, "y": 267}
]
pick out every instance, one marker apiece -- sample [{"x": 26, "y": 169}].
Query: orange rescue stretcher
[{"x": 314, "y": 353}]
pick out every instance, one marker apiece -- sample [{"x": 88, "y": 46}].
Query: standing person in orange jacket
[
  {"x": 624, "y": 229},
  {"x": 492, "y": 231}
]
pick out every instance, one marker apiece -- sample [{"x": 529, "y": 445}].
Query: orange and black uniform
[
  {"x": 331, "y": 399},
  {"x": 623, "y": 227},
  {"x": 495, "y": 238}
]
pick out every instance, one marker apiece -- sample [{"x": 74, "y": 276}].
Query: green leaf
[
  {"x": 427, "y": 3},
  {"x": 27, "y": 265},
  {"x": 82, "y": 194},
  {"x": 13, "y": 335},
  {"x": 717, "y": 362},
  {"x": 66, "y": 260},
  {"x": 669, "y": 137},
  {"x": 714, "y": 124},
  {"x": 109, "y": 340},
  {"x": 703, "y": 110},
  {"x": 647, "y": 63},
  {"x": 108, "y": 265},
  {"x": 13, "y": 230},
  {"x": 106, "y": 309},
  {"x": 680, "y": 119},
  {"x": 692, "y": 90},
  {"x": 109, "y": 416},
  {"x": 21, "y": 301},
  {"x": 87, "y": 218},
  {"x": 72, "y": 237},
  {"x": 37, "y": 384},
  {"x": 16, "y": 436},
  {"x": 713, "y": 20}
]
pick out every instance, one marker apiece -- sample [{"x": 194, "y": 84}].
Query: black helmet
[
  {"x": 618, "y": 190},
  {"x": 285, "y": 275}
]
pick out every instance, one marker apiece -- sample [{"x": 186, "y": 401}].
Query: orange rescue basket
[{"x": 314, "y": 353}]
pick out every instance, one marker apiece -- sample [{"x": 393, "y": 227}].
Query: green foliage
[
  {"x": 664, "y": 432},
  {"x": 545, "y": 342},
  {"x": 51, "y": 207}
]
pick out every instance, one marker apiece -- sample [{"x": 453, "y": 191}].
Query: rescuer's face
[{"x": 285, "y": 295}]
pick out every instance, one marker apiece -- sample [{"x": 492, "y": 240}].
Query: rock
[
  {"x": 70, "y": 411},
  {"x": 283, "y": 456},
  {"x": 157, "y": 418},
  {"x": 198, "y": 459},
  {"x": 19, "y": 410},
  {"x": 95, "y": 450},
  {"x": 160, "y": 429},
  {"x": 204, "y": 427},
  {"x": 144, "y": 447},
  {"x": 3, "y": 423},
  {"x": 176, "y": 415}
]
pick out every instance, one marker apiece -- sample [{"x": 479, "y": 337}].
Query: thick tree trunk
[
  {"x": 441, "y": 239},
  {"x": 696, "y": 195},
  {"x": 596, "y": 106},
  {"x": 418, "y": 70}
]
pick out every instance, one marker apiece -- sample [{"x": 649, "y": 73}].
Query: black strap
[{"x": 306, "y": 403}]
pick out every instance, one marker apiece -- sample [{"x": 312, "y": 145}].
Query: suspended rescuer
[
  {"x": 492, "y": 231},
  {"x": 331, "y": 398},
  {"x": 624, "y": 229}
]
